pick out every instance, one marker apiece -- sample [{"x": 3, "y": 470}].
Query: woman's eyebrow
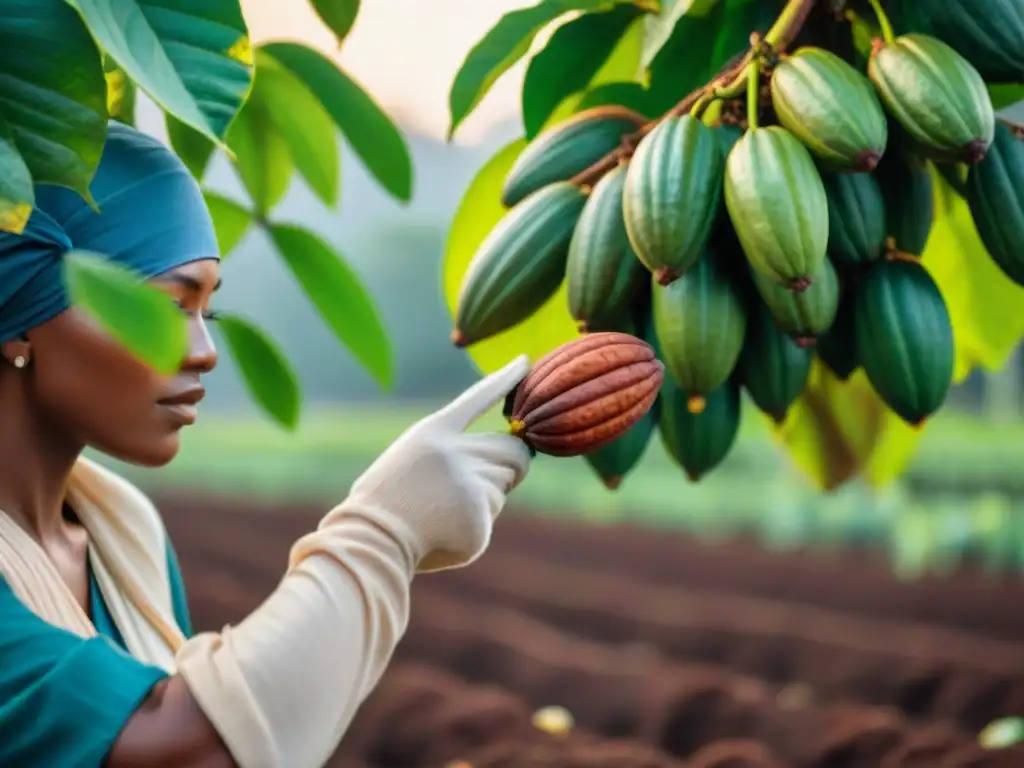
[{"x": 190, "y": 282}]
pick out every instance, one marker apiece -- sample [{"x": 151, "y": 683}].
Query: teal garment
[{"x": 64, "y": 699}]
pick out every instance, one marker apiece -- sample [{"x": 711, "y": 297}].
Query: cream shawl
[{"x": 128, "y": 553}]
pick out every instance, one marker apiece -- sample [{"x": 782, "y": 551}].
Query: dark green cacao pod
[
  {"x": 568, "y": 148},
  {"x": 856, "y": 218},
  {"x": 936, "y": 96},
  {"x": 904, "y": 338},
  {"x": 995, "y": 196},
  {"x": 603, "y": 274},
  {"x": 837, "y": 347},
  {"x": 804, "y": 316},
  {"x": 773, "y": 366},
  {"x": 830, "y": 107},
  {"x": 614, "y": 461},
  {"x": 777, "y": 205},
  {"x": 907, "y": 189},
  {"x": 700, "y": 322},
  {"x": 672, "y": 194},
  {"x": 988, "y": 33},
  {"x": 699, "y": 442},
  {"x": 519, "y": 265}
]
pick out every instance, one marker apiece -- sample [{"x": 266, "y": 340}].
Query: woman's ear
[{"x": 17, "y": 352}]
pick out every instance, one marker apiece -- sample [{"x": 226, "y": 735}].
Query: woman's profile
[{"x": 98, "y": 661}]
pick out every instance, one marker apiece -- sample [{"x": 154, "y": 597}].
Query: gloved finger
[
  {"x": 501, "y": 451},
  {"x": 501, "y": 478},
  {"x": 482, "y": 396}
]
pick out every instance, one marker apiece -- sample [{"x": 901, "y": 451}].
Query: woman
[{"x": 97, "y": 665}]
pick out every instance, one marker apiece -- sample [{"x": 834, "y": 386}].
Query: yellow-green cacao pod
[
  {"x": 519, "y": 265},
  {"x": 831, "y": 107},
  {"x": 777, "y": 204},
  {"x": 936, "y": 95},
  {"x": 907, "y": 189},
  {"x": 988, "y": 33},
  {"x": 807, "y": 315},
  {"x": 700, "y": 322},
  {"x": 613, "y": 462},
  {"x": 904, "y": 338},
  {"x": 772, "y": 367},
  {"x": 995, "y": 195},
  {"x": 603, "y": 274},
  {"x": 856, "y": 218},
  {"x": 699, "y": 442},
  {"x": 672, "y": 195},
  {"x": 568, "y": 148}
]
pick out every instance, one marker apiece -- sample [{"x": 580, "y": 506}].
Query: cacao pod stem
[
  {"x": 799, "y": 284},
  {"x": 517, "y": 427},
  {"x": 666, "y": 275}
]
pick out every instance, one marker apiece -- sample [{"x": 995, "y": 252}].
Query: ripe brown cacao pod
[{"x": 586, "y": 394}]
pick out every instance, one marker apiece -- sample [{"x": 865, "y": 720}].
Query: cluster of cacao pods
[{"x": 743, "y": 250}]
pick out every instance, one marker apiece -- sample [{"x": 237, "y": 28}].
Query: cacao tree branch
[{"x": 729, "y": 82}]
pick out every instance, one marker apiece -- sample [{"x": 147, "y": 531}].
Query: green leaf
[
  {"x": 267, "y": 374},
  {"x": 262, "y": 157},
  {"x": 572, "y": 57},
  {"x": 1004, "y": 96},
  {"x": 631, "y": 95},
  {"x": 230, "y": 221},
  {"x": 194, "y": 149},
  {"x": 17, "y": 195},
  {"x": 338, "y": 15},
  {"x": 339, "y": 296},
  {"x": 507, "y": 42},
  {"x": 53, "y": 93},
  {"x": 366, "y": 127},
  {"x": 475, "y": 217},
  {"x": 661, "y": 26},
  {"x": 120, "y": 93},
  {"x": 297, "y": 115},
  {"x": 143, "y": 319},
  {"x": 192, "y": 57}
]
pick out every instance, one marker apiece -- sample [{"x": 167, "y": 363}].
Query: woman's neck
[{"x": 35, "y": 466}]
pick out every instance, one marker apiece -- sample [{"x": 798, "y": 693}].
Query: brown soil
[{"x": 667, "y": 651}]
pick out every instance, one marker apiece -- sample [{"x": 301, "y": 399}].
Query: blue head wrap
[{"x": 152, "y": 218}]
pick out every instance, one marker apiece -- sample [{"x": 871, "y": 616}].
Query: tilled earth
[{"x": 666, "y": 650}]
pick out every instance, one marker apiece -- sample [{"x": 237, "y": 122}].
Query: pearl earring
[{"x": 20, "y": 361}]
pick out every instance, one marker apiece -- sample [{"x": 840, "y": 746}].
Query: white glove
[
  {"x": 282, "y": 686},
  {"x": 438, "y": 487}
]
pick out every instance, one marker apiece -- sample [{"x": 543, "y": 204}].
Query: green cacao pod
[
  {"x": 614, "y": 461},
  {"x": 699, "y": 442},
  {"x": 831, "y": 107},
  {"x": 727, "y": 134},
  {"x": 995, "y": 195},
  {"x": 700, "y": 322},
  {"x": 904, "y": 337},
  {"x": 936, "y": 96},
  {"x": 568, "y": 148},
  {"x": 603, "y": 274},
  {"x": 804, "y": 316},
  {"x": 773, "y": 367},
  {"x": 988, "y": 33},
  {"x": 777, "y": 204},
  {"x": 672, "y": 194},
  {"x": 837, "y": 347},
  {"x": 907, "y": 189},
  {"x": 856, "y": 218},
  {"x": 519, "y": 265}
]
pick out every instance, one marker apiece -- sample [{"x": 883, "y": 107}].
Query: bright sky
[{"x": 404, "y": 52}]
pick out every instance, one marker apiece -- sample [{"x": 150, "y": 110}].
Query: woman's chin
[{"x": 152, "y": 454}]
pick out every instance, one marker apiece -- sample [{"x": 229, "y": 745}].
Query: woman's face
[{"x": 84, "y": 382}]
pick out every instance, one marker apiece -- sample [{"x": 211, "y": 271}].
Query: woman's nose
[{"x": 202, "y": 353}]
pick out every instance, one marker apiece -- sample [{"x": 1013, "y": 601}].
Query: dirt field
[{"x": 667, "y": 651}]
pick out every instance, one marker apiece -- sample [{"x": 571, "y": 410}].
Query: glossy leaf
[
  {"x": 230, "y": 221},
  {"x": 1005, "y": 95},
  {"x": 505, "y": 44},
  {"x": 338, "y": 15},
  {"x": 262, "y": 158},
  {"x": 631, "y": 95},
  {"x": 264, "y": 369},
  {"x": 143, "y": 319},
  {"x": 194, "y": 149},
  {"x": 297, "y": 115},
  {"x": 339, "y": 296},
  {"x": 476, "y": 215},
  {"x": 661, "y": 26},
  {"x": 364, "y": 124},
  {"x": 53, "y": 94},
  {"x": 17, "y": 196},
  {"x": 570, "y": 60},
  {"x": 193, "y": 58},
  {"x": 120, "y": 93}
]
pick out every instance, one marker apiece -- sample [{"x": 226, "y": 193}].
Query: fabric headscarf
[{"x": 152, "y": 218}]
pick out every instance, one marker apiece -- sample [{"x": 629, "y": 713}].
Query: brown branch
[{"x": 725, "y": 78}]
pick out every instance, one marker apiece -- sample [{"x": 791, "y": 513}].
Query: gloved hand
[{"x": 440, "y": 488}]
